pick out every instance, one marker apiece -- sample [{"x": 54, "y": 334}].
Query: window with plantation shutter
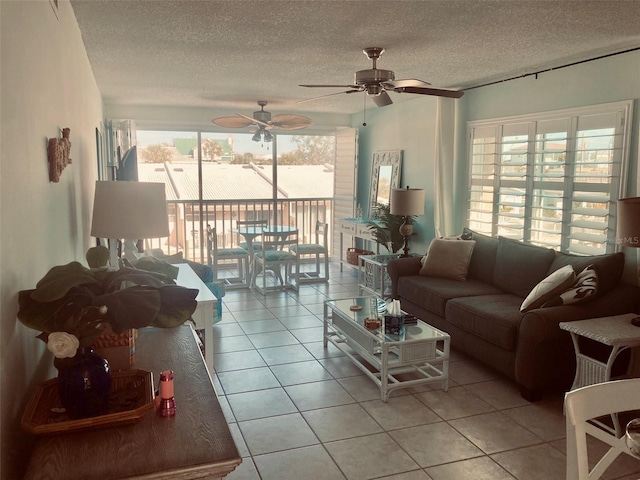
[{"x": 550, "y": 179}]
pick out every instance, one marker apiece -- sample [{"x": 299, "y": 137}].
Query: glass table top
[{"x": 373, "y": 307}]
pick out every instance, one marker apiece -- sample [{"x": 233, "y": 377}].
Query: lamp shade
[
  {"x": 130, "y": 210},
  {"x": 407, "y": 201},
  {"x": 628, "y": 225}
]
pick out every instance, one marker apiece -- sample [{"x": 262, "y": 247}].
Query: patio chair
[
  {"x": 275, "y": 256},
  {"x": 253, "y": 245},
  {"x": 316, "y": 250},
  {"x": 222, "y": 256},
  {"x": 585, "y": 405}
]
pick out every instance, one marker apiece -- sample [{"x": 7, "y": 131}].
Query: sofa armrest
[
  {"x": 545, "y": 354},
  {"x": 399, "y": 267}
]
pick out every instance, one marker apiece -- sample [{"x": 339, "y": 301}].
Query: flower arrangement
[{"x": 73, "y": 305}]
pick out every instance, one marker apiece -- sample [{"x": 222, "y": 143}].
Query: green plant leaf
[
  {"x": 59, "y": 280},
  {"x": 134, "y": 307},
  {"x": 97, "y": 256},
  {"x": 152, "y": 264},
  {"x": 178, "y": 304},
  {"x": 385, "y": 227}
]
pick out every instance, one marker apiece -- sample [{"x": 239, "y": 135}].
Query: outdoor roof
[{"x": 238, "y": 182}]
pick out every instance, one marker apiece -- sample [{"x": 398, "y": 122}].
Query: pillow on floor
[
  {"x": 584, "y": 288},
  {"x": 549, "y": 287},
  {"x": 448, "y": 259}
]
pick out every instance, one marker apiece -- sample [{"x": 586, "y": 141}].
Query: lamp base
[{"x": 406, "y": 230}]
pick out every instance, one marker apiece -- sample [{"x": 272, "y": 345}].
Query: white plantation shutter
[
  {"x": 550, "y": 179},
  {"x": 344, "y": 179}
]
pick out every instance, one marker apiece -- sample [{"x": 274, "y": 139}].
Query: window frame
[{"x": 525, "y": 179}]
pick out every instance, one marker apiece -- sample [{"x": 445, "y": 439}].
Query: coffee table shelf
[{"x": 417, "y": 356}]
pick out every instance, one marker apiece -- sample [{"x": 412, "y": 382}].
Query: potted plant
[
  {"x": 73, "y": 305},
  {"x": 386, "y": 227}
]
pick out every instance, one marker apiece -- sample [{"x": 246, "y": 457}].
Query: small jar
[{"x": 167, "y": 406}]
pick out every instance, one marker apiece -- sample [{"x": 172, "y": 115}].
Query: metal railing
[{"x": 188, "y": 221}]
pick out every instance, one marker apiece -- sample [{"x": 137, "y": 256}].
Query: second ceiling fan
[
  {"x": 263, "y": 122},
  {"x": 377, "y": 82}
]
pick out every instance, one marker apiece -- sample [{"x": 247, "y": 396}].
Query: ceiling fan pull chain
[{"x": 364, "y": 112}]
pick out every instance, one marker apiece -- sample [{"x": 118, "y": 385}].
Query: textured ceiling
[{"x": 229, "y": 54}]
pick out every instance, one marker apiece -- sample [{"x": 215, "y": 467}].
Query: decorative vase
[{"x": 84, "y": 385}]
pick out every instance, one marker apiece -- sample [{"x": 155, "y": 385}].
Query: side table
[
  {"x": 203, "y": 315},
  {"x": 373, "y": 278},
  {"x": 372, "y": 275},
  {"x": 616, "y": 332}
]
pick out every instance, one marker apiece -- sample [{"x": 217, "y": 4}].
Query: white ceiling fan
[
  {"x": 377, "y": 82},
  {"x": 263, "y": 122}
]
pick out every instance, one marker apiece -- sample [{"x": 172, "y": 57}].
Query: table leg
[
  {"x": 325, "y": 329},
  {"x": 384, "y": 373}
]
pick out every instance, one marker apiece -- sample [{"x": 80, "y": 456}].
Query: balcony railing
[{"x": 188, "y": 222}]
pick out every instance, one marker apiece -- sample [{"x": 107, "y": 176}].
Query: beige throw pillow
[
  {"x": 448, "y": 259},
  {"x": 549, "y": 287}
]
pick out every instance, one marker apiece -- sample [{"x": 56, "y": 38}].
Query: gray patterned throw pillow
[{"x": 583, "y": 289}]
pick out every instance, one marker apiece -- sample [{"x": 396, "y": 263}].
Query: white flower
[{"x": 63, "y": 344}]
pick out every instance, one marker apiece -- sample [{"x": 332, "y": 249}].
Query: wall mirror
[{"x": 385, "y": 175}]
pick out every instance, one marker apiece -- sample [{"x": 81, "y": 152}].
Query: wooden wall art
[{"x": 58, "y": 151}]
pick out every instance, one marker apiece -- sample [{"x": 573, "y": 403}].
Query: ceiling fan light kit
[{"x": 376, "y": 82}]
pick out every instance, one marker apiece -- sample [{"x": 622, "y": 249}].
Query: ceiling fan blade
[
  {"x": 382, "y": 100},
  {"x": 407, "y": 82},
  {"x": 232, "y": 122},
  {"x": 439, "y": 92},
  {"x": 332, "y": 86},
  {"x": 328, "y": 95},
  {"x": 253, "y": 120},
  {"x": 290, "y": 122}
]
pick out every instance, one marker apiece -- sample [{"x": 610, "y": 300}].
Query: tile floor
[{"x": 298, "y": 411}]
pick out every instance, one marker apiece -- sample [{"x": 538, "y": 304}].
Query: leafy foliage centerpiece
[{"x": 73, "y": 305}]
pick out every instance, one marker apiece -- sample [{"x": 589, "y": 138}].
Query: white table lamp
[
  {"x": 129, "y": 211},
  {"x": 407, "y": 202}
]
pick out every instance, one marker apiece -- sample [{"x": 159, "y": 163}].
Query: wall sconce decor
[{"x": 58, "y": 151}]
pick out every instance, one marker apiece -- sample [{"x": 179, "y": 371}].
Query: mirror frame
[{"x": 391, "y": 158}]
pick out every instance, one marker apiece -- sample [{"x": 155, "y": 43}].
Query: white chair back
[{"x": 588, "y": 403}]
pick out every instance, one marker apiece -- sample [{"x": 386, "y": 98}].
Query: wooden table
[
  {"x": 203, "y": 315},
  {"x": 196, "y": 443}
]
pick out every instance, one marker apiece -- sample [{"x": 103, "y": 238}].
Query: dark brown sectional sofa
[{"x": 482, "y": 314}]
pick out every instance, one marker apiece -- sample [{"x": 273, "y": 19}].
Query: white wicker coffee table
[{"x": 418, "y": 356}]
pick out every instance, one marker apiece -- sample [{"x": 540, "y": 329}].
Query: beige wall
[{"x": 47, "y": 84}]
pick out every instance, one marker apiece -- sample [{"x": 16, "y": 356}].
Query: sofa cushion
[
  {"x": 494, "y": 318},
  {"x": 608, "y": 267},
  {"x": 520, "y": 266},
  {"x": 584, "y": 289},
  {"x": 432, "y": 293},
  {"x": 483, "y": 257},
  {"x": 549, "y": 287},
  {"x": 448, "y": 258}
]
